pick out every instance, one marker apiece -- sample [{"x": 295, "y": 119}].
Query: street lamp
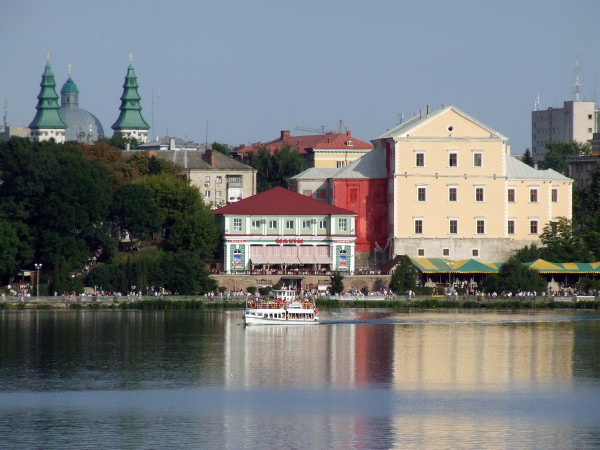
[{"x": 38, "y": 266}]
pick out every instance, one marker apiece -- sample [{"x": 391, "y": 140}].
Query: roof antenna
[
  {"x": 536, "y": 104},
  {"x": 577, "y": 84}
]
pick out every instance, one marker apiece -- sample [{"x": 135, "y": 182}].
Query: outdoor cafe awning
[{"x": 438, "y": 265}]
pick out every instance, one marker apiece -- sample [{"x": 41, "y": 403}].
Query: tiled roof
[
  {"x": 196, "y": 160},
  {"x": 311, "y": 142},
  {"x": 282, "y": 202},
  {"x": 516, "y": 169}
]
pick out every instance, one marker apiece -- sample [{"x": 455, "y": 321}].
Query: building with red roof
[
  {"x": 331, "y": 150},
  {"x": 285, "y": 232}
]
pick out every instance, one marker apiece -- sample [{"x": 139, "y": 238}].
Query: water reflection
[{"x": 362, "y": 379}]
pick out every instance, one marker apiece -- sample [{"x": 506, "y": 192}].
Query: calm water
[{"x": 362, "y": 379}]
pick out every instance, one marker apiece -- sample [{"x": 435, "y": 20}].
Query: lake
[{"x": 363, "y": 378}]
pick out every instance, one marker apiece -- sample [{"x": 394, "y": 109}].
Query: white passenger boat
[{"x": 281, "y": 308}]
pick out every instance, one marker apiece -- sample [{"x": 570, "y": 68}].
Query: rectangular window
[
  {"x": 289, "y": 224},
  {"x": 207, "y": 179},
  {"x": 306, "y": 224},
  {"x": 480, "y": 227},
  {"x": 219, "y": 180},
  {"x": 477, "y": 160},
  {"x": 475, "y": 253},
  {"x": 340, "y": 164},
  {"x": 554, "y": 195},
  {"x": 234, "y": 179},
  {"x": 218, "y": 194},
  {"x": 453, "y": 226},
  {"x": 511, "y": 227},
  {"x": 511, "y": 195},
  {"x": 353, "y": 195},
  {"x": 533, "y": 195},
  {"x": 533, "y": 226},
  {"x": 256, "y": 224},
  {"x": 272, "y": 224},
  {"x": 237, "y": 224},
  {"x": 420, "y": 160},
  {"x": 206, "y": 194},
  {"x": 420, "y": 252},
  {"x": 445, "y": 252},
  {"x": 421, "y": 194},
  {"x": 453, "y": 159},
  {"x": 452, "y": 194},
  {"x": 479, "y": 194},
  {"x": 418, "y": 226},
  {"x": 343, "y": 224},
  {"x": 322, "y": 225}
]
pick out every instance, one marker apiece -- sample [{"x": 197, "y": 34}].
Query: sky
[{"x": 239, "y": 71}]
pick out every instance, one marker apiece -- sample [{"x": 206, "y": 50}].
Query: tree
[
  {"x": 337, "y": 283},
  {"x": 196, "y": 232},
  {"x": 527, "y": 158},
  {"x": 122, "y": 142},
  {"x": 134, "y": 210},
  {"x": 9, "y": 249},
  {"x": 222, "y": 148},
  {"x": 275, "y": 169},
  {"x": 514, "y": 277},
  {"x": 404, "y": 276},
  {"x": 528, "y": 253},
  {"x": 562, "y": 243},
  {"x": 559, "y": 152}
]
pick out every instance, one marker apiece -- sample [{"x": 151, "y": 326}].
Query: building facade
[
  {"x": 285, "y": 232},
  {"x": 219, "y": 178},
  {"x": 575, "y": 121},
  {"x": 454, "y": 191},
  {"x": 360, "y": 187},
  {"x": 322, "y": 151}
]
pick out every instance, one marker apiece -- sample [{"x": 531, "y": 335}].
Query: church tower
[
  {"x": 47, "y": 124},
  {"x": 130, "y": 123}
]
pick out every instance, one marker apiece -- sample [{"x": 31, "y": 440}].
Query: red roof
[
  {"x": 280, "y": 201},
  {"x": 306, "y": 144}
]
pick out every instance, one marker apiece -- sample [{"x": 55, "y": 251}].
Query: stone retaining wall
[{"x": 356, "y": 282}]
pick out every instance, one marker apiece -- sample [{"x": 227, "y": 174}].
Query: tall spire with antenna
[{"x": 536, "y": 105}]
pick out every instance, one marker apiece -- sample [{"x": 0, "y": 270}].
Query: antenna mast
[{"x": 577, "y": 84}]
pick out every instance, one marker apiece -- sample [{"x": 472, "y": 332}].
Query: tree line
[{"x": 61, "y": 203}]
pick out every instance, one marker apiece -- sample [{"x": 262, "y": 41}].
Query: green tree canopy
[
  {"x": 222, "y": 148},
  {"x": 275, "y": 169},
  {"x": 404, "y": 276},
  {"x": 563, "y": 243},
  {"x": 337, "y": 283},
  {"x": 559, "y": 152},
  {"x": 134, "y": 210},
  {"x": 514, "y": 277},
  {"x": 527, "y": 158}
]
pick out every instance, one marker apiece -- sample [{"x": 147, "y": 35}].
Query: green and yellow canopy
[{"x": 438, "y": 265}]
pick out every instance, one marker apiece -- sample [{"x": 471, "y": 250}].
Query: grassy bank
[{"x": 324, "y": 303}]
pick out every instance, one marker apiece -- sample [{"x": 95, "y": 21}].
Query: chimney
[
  {"x": 172, "y": 143},
  {"x": 285, "y": 134},
  {"x": 210, "y": 156},
  {"x": 348, "y": 133}
]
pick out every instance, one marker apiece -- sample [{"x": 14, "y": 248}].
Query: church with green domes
[{"x": 69, "y": 122}]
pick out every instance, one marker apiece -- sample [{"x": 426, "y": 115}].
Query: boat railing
[{"x": 263, "y": 303}]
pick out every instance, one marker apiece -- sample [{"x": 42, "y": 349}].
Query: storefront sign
[{"x": 289, "y": 241}]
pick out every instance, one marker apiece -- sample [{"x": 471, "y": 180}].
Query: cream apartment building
[{"x": 457, "y": 193}]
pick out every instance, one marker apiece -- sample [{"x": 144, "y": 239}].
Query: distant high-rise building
[{"x": 575, "y": 121}]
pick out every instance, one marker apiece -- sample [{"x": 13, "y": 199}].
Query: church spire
[
  {"x": 47, "y": 124},
  {"x": 69, "y": 94},
  {"x": 130, "y": 123}
]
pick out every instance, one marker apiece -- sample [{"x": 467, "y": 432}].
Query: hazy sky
[{"x": 252, "y": 68}]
